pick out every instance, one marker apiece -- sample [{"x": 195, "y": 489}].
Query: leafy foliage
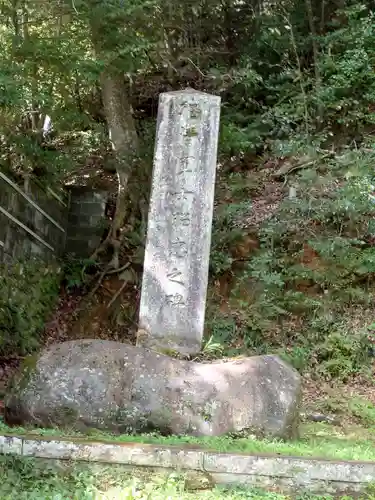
[
  {"x": 76, "y": 271},
  {"x": 315, "y": 260},
  {"x": 28, "y": 292}
]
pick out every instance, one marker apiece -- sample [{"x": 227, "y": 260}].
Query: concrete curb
[{"x": 268, "y": 471}]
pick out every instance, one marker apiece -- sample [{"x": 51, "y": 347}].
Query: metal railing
[{"x": 14, "y": 218}]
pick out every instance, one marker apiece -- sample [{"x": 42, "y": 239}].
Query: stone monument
[
  {"x": 113, "y": 386},
  {"x": 175, "y": 274}
]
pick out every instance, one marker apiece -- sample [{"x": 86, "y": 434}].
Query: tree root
[
  {"x": 120, "y": 269},
  {"x": 117, "y": 294},
  {"x": 108, "y": 271},
  {"x": 318, "y": 417}
]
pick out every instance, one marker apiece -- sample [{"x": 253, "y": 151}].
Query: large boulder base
[{"x": 117, "y": 387}]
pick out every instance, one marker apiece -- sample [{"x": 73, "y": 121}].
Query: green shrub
[
  {"x": 76, "y": 271},
  {"x": 298, "y": 357},
  {"x": 340, "y": 355},
  {"x": 28, "y": 292},
  {"x": 225, "y": 235},
  {"x": 363, "y": 410}
]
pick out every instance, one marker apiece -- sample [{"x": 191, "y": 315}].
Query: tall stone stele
[{"x": 175, "y": 275}]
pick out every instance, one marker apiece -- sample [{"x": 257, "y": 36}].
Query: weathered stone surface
[
  {"x": 114, "y": 386},
  {"x": 140, "y": 455},
  {"x": 78, "y": 450},
  {"x": 292, "y": 485},
  {"x": 303, "y": 469},
  {"x": 165, "y": 456},
  {"x": 177, "y": 250},
  {"x": 10, "y": 445}
]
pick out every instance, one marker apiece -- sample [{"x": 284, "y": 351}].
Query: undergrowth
[
  {"x": 28, "y": 292},
  {"x": 305, "y": 288},
  {"x": 36, "y": 480},
  {"x": 312, "y": 267}
]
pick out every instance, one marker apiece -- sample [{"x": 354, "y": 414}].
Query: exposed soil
[
  {"x": 331, "y": 397},
  {"x": 80, "y": 316}
]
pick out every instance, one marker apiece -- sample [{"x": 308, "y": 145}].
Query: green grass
[
  {"x": 318, "y": 440},
  {"x": 38, "y": 480}
]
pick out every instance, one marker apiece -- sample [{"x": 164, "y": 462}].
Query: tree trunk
[
  {"x": 124, "y": 139},
  {"x": 310, "y": 16},
  {"x": 121, "y": 127}
]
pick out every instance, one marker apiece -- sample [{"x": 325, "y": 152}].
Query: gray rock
[{"x": 113, "y": 386}]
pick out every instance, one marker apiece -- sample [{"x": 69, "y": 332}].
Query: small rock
[{"x": 198, "y": 480}]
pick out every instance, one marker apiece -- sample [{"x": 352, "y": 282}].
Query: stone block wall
[
  {"x": 87, "y": 222},
  {"x": 38, "y": 222},
  {"x": 33, "y": 221}
]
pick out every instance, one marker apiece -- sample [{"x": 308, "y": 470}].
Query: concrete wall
[
  {"x": 87, "y": 222},
  {"x": 36, "y": 221},
  {"x": 33, "y": 221},
  {"x": 205, "y": 468}
]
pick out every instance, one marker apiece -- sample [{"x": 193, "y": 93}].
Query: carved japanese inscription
[{"x": 174, "y": 283}]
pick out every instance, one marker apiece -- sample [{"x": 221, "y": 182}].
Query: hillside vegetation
[{"x": 293, "y": 256}]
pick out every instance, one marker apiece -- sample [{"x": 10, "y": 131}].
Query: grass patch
[
  {"x": 363, "y": 411},
  {"x": 318, "y": 440},
  {"x": 40, "y": 480}
]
